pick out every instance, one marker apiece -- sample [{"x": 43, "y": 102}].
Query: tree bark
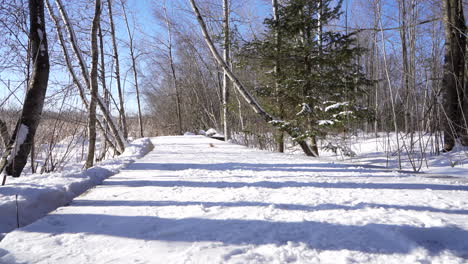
[
  {"x": 93, "y": 80},
  {"x": 226, "y": 55},
  {"x": 22, "y": 139},
  {"x": 454, "y": 69},
  {"x": 277, "y": 70},
  {"x": 4, "y": 133}
]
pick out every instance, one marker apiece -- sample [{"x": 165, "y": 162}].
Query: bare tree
[
  {"x": 118, "y": 136},
  {"x": 123, "y": 120},
  {"x": 15, "y": 158},
  {"x": 227, "y": 59},
  {"x": 93, "y": 80}
]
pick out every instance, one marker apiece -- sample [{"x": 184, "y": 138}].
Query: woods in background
[{"x": 267, "y": 74}]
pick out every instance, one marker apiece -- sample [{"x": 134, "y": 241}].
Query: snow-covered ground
[
  {"x": 38, "y": 194},
  {"x": 417, "y": 156},
  {"x": 198, "y": 200}
]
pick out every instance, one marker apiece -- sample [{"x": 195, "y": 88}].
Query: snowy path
[{"x": 188, "y": 202}]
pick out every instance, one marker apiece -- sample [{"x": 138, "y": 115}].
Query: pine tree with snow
[{"x": 319, "y": 77}]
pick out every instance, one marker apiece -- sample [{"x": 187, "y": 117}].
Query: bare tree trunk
[
  {"x": 174, "y": 76},
  {"x": 277, "y": 70},
  {"x": 293, "y": 131},
  {"x": 94, "y": 86},
  {"x": 123, "y": 119},
  {"x": 454, "y": 69},
  {"x": 20, "y": 144},
  {"x": 404, "y": 50},
  {"x": 226, "y": 55},
  {"x": 104, "y": 90},
  {"x": 135, "y": 72}
]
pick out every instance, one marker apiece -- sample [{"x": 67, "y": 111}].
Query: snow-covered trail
[{"x": 197, "y": 200}]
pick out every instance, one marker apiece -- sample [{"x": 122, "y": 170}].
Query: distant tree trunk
[
  {"x": 454, "y": 69},
  {"x": 174, "y": 76},
  {"x": 226, "y": 47},
  {"x": 135, "y": 72},
  {"x": 123, "y": 119},
  {"x": 93, "y": 80},
  {"x": 293, "y": 131},
  {"x": 404, "y": 50},
  {"x": 277, "y": 70},
  {"x": 20, "y": 144}
]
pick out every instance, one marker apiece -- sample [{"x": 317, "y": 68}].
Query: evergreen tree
[{"x": 319, "y": 77}]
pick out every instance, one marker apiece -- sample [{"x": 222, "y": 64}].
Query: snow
[
  {"x": 305, "y": 109},
  {"x": 325, "y": 122},
  {"x": 335, "y": 106},
  {"x": 381, "y": 151},
  {"x": 198, "y": 200},
  {"x": 210, "y": 132},
  {"x": 39, "y": 194}
]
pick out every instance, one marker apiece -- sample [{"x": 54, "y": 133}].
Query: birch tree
[
  {"x": 93, "y": 80},
  {"x": 123, "y": 119}
]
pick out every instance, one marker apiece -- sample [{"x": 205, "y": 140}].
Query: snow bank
[
  {"x": 39, "y": 194},
  {"x": 382, "y": 151}
]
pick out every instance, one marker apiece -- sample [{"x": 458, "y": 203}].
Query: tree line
[{"x": 298, "y": 73}]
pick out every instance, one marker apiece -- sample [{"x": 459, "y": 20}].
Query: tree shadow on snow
[
  {"x": 281, "y": 206},
  {"x": 287, "y": 184},
  {"x": 305, "y": 167},
  {"x": 370, "y": 238}
]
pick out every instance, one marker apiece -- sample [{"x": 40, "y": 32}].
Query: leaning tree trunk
[
  {"x": 22, "y": 139},
  {"x": 454, "y": 68},
  {"x": 123, "y": 119},
  {"x": 93, "y": 80},
  {"x": 293, "y": 131}
]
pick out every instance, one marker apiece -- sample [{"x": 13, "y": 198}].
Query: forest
[
  {"x": 80, "y": 79},
  {"x": 233, "y": 131}
]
